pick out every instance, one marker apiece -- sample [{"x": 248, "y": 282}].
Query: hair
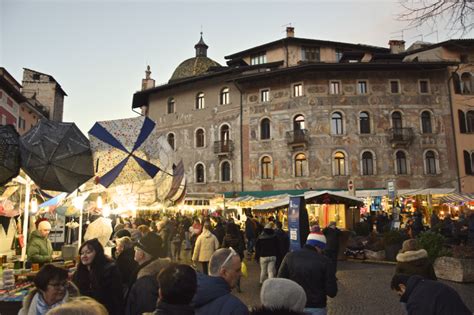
[
  {"x": 398, "y": 279},
  {"x": 47, "y": 273},
  {"x": 207, "y": 225},
  {"x": 232, "y": 229},
  {"x": 126, "y": 242},
  {"x": 144, "y": 229},
  {"x": 178, "y": 284},
  {"x": 217, "y": 260},
  {"x": 84, "y": 278},
  {"x": 82, "y": 305}
]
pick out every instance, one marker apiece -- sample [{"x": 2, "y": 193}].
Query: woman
[
  {"x": 206, "y": 245},
  {"x": 51, "y": 290},
  {"x": 125, "y": 261},
  {"x": 414, "y": 261},
  {"x": 97, "y": 276}
]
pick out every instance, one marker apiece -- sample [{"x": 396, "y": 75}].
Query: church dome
[{"x": 195, "y": 66}]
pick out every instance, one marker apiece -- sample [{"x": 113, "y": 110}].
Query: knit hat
[
  {"x": 316, "y": 239},
  {"x": 409, "y": 245},
  {"x": 283, "y": 293},
  {"x": 315, "y": 228},
  {"x": 151, "y": 244}
]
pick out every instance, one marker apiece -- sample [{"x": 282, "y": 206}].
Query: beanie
[
  {"x": 316, "y": 239},
  {"x": 283, "y": 293}
]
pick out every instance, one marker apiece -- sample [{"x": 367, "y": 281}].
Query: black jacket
[
  {"x": 236, "y": 242},
  {"x": 126, "y": 265},
  {"x": 267, "y": 244},
  {"x": 314, "y": 272},
  {"x": 332, "y": 238},
  {"x": 163, "y": 308},
  {"x": 430, "y": 297},
  {"x": 283, "y": 243},
  {"x": 219, "y": 232}
]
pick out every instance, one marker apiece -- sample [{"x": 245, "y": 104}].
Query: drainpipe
[
  {"x": 241, "y": 137},
  {"x": 454, "y": 128}
]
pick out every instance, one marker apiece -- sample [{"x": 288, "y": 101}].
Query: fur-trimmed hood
[
  {"x": 153, "y": 268},
  {"x": 412, "y": 255}
]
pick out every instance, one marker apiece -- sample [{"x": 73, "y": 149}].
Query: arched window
[
  {"x": 339, "y": 164},
  {"x": 401, "y": 163},
  {"x": 200, "y": 138},
  {"x": 224, "y": 97},
  {"x": 470, "y": 121},
  {"x": 336, "y": 124},
  {"x": 426, "y": 122},
  {"x": 466, "y": 83},
  {"x": 430, "y": 163},
  {"x": 396, "y": 120},
  {"x": 265, "y": 129},
  {"x": 300, "y": 165},
  {"x": 469, "y": 162},
  {"x": 225, "y": 171},
  {"x": 200, "y": 100},
  {"x": 266, "y": 166},
  {"x": 224, "y": 136},
  {"x": 298, "y": 123},
  {"x": 200, "y": 176},
  {"x": 364, "y": 122},
  {"x": 170, "y": 139},
  {"x": 171, "y": 108},
  {"x": 367, "y": 163}
]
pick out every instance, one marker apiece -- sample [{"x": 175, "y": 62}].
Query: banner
[{"x": 298, "y": 224}]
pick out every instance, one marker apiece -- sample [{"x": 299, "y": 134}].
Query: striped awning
[{"x": 457, "y": 198}]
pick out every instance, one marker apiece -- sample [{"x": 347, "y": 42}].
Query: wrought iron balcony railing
[
  {"x": 400, "y": 136},
  {"x": 297, "y": 137},
  {"x": 223, "y": 147}
]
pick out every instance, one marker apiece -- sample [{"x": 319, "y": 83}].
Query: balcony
[
  {"x": 297, "y": 138},
  {"x": 224, "y": 148},
  {"x": 400, "y": 137}
]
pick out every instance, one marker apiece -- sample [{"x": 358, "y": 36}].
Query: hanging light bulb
[
  {"x": 78, "y": 202},
  {"x": 34, "y": 205},
  {"x": 106, "y": 211},
  {"x": 99, "y": 202}
]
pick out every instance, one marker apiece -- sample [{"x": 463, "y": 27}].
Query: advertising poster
[{"x": 298, "y": 225}]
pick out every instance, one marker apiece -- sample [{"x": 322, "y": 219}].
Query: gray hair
[
  {"x": 125, "y": 241},
  {"x": 218, "y": 259}
]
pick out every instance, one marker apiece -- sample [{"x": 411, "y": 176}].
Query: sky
[{"x": 98, "y": 50}]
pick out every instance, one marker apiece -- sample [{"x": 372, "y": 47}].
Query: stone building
[{"x": 298, "y": 114}]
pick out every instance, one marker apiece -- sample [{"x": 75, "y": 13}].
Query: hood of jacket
[
  {"x": 71, "y": 291},
  {"x": 209, "y": 288},
  {"x": 413, "y": 281},
  {"x": 153, "y": 268},
  {"x": 36, "y": 234},
  {"x": 412, "y": 255}
]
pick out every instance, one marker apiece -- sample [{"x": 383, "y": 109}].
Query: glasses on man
[{"x": 231, "y": 254}]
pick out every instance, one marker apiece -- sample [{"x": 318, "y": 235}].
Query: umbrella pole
[
  {"x": 79, "y": 241},
  {"x": 26, "y": 217}
]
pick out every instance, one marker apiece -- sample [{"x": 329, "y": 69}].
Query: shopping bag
[{"x": 243, "y": 268}]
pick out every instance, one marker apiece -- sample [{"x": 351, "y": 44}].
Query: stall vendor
[{"x": 39, "y": 249}]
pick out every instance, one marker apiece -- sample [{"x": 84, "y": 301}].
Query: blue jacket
[{"x": 213, "y": 296}]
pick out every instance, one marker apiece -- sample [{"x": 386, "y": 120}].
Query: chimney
[
  {"x": 148, "y": 82},
  {"x": 396, "y": 46},
  {"x": 290, "y": 31}
]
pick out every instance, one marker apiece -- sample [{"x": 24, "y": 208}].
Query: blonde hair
[
  {"x": 82, "y": 305},
  {"x": 125, "y": 241}
]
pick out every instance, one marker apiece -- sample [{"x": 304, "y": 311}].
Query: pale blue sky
[{"x": 98, "y": 50}]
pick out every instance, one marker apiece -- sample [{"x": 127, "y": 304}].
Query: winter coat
[
  {"x": 273, "y": 311},
  {"x": 30, "y": 302},
  {"x": 415, "y": 263},
  {"x": 143, "y": 295},
  {"x": 107, "y": 289},
  {"x": 430, "y": 297},
  {"x": 101, "y": 229},
  {"x": 313, "y": 271},
  {"x": 126, "y": 265},
  {"x": 219, "y": 232},
  {"x": 267, "y": 244},
  {"x": 39, "y": 249},
  {"x": 332, "y": 238},
  {"x": 163, "y": 308},
  {"x": 250, "y": 227},
  {"x": 213, "y": 296},
  {"x": 283, "y": 242},
  {"x": 206, "y": 245},
  {"x": 236, "y": 242}
]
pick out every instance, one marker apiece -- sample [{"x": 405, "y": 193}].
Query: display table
[{"x": 10, "y": 300}]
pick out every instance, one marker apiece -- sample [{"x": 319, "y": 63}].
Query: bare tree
[{"x": 457, "y": 13}]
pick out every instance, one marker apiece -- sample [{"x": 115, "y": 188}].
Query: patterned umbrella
[
  {"x": 127, "y": 151},
  {"x": 9, "y": 154},
  {"x": 56, "y": 156}
]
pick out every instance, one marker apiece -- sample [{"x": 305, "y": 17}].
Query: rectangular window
[
  {"x": 334, "y": 87},
  {"x": 297, "y": 90},
  {"x": 424, "y": 86},
  {"x": 362, "y": 87},
  {"x": 21, "y": 123},
  {"x": 394, "y": 87},
  {"x": 310, "y": 54},
  {"x": 265, "y": 95},
  {"x": 339, "y": 54},
  {"x": 258, "y": 59}
]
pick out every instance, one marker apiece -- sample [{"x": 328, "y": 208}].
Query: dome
[{"x": 193, "y": 67}]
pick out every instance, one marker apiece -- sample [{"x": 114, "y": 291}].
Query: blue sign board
[{"x": 298, "y": 225}]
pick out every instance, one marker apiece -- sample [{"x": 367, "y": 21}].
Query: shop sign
[{"x": 391, "y": 189}]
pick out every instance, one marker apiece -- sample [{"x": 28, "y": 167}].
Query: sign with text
[
  {"x": 298, "y": 225},
  {"x": 391, "y": 189}
]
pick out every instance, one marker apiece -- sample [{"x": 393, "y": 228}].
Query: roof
[
  {"x": 306, "y": 41},
  {"x": 50, "y": 76},
  {"x": 453, "y": 43},
  {"x": 10, "y": 89},
  {"x": 193, "y": 67}
]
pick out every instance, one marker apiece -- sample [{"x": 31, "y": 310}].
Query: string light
[
  {"x": 34, "y": 205},
  {"x": 99, "y": 202}
]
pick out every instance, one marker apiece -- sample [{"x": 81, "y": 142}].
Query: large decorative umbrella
[
  {"x": 127, "y": 151},
  {"x": 56, "y": 156},
  {"x": 178, "y": 186},
  {"x": 9, "y": 154}
]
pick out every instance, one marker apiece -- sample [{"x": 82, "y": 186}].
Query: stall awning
[
  {"x": 279, "y": 203},
  {"x": 263, "y": 194},
  {"x": 426, "y": 191},
  {"x": 332, "y": 197},
  {"x": 457, "y": 197}
]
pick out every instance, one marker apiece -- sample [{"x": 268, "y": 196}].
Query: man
[
  {"x": 266, "y": 252},
  {"x": 250, "y": 233},
  {"x": 143, "y": 294},
  {"x": 423, "y": 296},
  {"x": 213, "y": 295},
  {"x": 313, "y": 271},
  {"x": 283, "y": 244},
  {"x": 39, "y": 249},
  {"x": 332, "y": 234}
]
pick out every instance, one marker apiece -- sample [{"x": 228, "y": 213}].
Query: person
[
  {"x": 98, "y": 277},
  {"x": 283, "y": 244},
  {"x": 281, "y": 296},
  {"x": 178, "y": 284},
  {"x": 332, "y": 234},
  {"x": 219, "y": 230},
  {"x": 82, "y": 305},
  {"x": 250, "y": 234},
  {"x": 233, "y": 238},
  {"x": 423, "y": 296},
  {"x": 470, "y": 229},
  {"x": 195, "y": 230},
  {"x": 52, "y": 289},
  {"x": 266, "y": 251},
  {"x": 125, "y": 261},
  {"x": 101, "y": 229},
  {"x": 206, "y": 245},
  {"x": 213, "y": 295},
  {"x": 413, "y": 260},
  {"x": 165, "y": 233},
  {"x": 313, "y": 271},
  {"x": 418, "y": 223},
  {"x": 434, "y": 220},
  {"x": 143, "y": 294},
  {"x": 39, "y": 248}
]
